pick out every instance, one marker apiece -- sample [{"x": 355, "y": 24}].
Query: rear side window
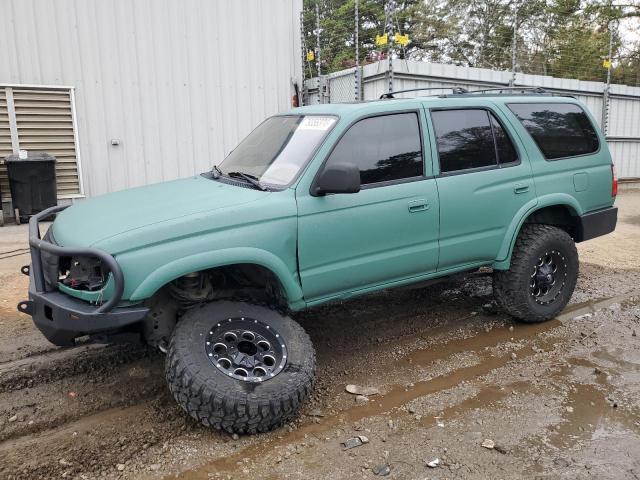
[
  {"x": 385, "y": 148},
  {"x": 469, "y": 139},
  {"x": 559, "y": 129}
]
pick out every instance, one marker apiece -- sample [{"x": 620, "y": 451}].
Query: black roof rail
[
  {"x": 455, "y": 90},
  {"x": 535, "y": 90},
  {"x": 516, "y": 91},
  {"x": 460, "y": 91}
]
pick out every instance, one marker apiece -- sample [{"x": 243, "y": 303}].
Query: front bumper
[{"x": 62, "y": 318}]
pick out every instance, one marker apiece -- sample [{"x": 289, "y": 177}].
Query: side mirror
[{"x": 337, "y": 178}]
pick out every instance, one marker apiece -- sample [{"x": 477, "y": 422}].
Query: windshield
[{"x": 276, "y": 151}]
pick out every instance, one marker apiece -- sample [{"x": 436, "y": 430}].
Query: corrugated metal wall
[
  {"x": 174, "y": 84},
  {"x": 6, "y": 147},
  {"x": 623, "y": 133}
]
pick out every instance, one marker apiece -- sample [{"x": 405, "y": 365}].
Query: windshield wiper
[
  {"x": 252, "y": 179},
  {"x": 216, "y": 172}
]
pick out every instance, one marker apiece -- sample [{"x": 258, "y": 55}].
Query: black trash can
[{"x": 33, "y": 183}]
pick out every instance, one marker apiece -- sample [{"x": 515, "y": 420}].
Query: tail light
[
  {"x": 294, "y": 101},
  {"x": 614, "y": 182}
]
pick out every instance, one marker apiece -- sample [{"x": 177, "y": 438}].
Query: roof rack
[
  {"x": 455, "y": 91},
  {"x": 460, "y": 91},
  {"x": 515, "y": 91},
  {"x": 522, "y": 90}
]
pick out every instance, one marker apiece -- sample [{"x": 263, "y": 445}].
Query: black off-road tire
[
  {"x": 229, "y": 404},
  {"x": 512, "y": 288}
]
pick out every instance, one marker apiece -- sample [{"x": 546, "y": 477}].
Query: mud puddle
[{"x": 591, "y": 411}]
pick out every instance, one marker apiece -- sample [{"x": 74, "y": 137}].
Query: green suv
[{"x": 324, "y": 203}]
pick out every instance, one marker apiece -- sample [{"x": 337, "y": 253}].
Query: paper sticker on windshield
[{"x": 313, "y": 122}]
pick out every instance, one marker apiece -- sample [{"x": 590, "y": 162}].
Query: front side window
[
  {"x": 384, "y": 148},
  {"x": 276, "y": 151},
  {"x": 559, "y": 129},
  {"x": 465, "y": 140}
]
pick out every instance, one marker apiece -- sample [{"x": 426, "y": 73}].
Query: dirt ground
[{"x": 557, "y": 400}]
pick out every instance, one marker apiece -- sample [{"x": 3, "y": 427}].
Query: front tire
[
  {"x": 542, "y": 276},
  {"x": 239, "y": 367}
]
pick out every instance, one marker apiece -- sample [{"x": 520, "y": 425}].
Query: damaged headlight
[{"x": 83, "y": 273}]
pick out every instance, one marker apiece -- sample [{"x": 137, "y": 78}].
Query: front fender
[
  {"x": 218, "y": 258},
  {"x": 503, "y": 260}
]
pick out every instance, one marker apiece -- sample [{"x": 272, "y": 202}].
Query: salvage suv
[{"x": 320, "y": 204}]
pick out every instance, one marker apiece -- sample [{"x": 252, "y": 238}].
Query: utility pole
[
  {"x": 318, "y": 39},
  {"x": 514, "y": 40},
  {"x": 357, "y": 76},
  {"x": 389, "y": 19},
  {"x": 303, "y": 52},
  {"x": 605, "y": 97}
]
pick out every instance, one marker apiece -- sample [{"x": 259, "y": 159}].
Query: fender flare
[
  {"x": 219, "y": 258},
  {"x": 503, "y": 260}
]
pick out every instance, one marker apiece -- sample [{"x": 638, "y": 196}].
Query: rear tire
[
  {"x": 205, "y": 383},
  {"x": 542, "y": 276}
]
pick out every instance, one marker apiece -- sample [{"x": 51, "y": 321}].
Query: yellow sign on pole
[
  {"x": 402, "y": 39},
  {"x": 381, "y": 39},
  {"x": 310, "y": 56},
  {"x": 606, "y": 63}
]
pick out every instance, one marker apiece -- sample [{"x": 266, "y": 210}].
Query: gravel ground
[{"x": 556, "y": 400}]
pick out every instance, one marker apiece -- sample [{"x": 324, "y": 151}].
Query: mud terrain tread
[
  {"x": 214, "y": 405},
  {"x": 508, "y": 284}
]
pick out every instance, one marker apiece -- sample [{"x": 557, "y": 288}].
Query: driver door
[{"x": 386, "y": 232}]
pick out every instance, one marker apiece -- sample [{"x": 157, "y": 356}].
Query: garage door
[{"x": 41, "y": 120}]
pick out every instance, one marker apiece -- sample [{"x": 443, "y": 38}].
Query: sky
[{"x": 630, "y": 30}]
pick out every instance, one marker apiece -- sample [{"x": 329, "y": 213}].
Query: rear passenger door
[
  {"x": 484, "y": 179},
  {"x": 568, "y": 153}
]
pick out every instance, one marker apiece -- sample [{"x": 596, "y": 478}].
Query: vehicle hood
[{"x": 97, "y": 219}]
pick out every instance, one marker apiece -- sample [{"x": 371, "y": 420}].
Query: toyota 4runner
[{"x": 324, "y": 203}]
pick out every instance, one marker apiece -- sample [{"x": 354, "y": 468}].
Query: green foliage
[{"x": 563, "y": 38}]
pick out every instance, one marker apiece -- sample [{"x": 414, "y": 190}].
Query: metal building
[
  {"x": 131, "y": 92},
  {"x": 623, "y": 124}
]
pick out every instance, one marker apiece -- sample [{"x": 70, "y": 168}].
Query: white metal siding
[
  {"x": 626, "y": 156},
  {"x": 624, "y": 118},
  {"x": 5, "y": 148},
  {"x": 176, "y": 83}
]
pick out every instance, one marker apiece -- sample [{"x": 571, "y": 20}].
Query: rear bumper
[
  {"x": 62, "y": 318},
  {"x": 600, "y": 222}
]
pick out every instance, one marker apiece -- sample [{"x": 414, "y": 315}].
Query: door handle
[
  {"x": 520, "y": 188},
  {"x": 418, "y": 206}
]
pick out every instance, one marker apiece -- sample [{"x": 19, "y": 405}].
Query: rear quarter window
[{"x": 560, "y": 130}]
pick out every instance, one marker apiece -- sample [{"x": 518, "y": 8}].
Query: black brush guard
[{"x": 60, "y": 317}]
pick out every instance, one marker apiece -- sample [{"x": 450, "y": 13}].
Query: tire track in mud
[
  {"x": 45, "y": 368},
  {"x": 92, "y": 445},
  {"x": 45, "y": 391},
  {"x": 53, "y": 354}
]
